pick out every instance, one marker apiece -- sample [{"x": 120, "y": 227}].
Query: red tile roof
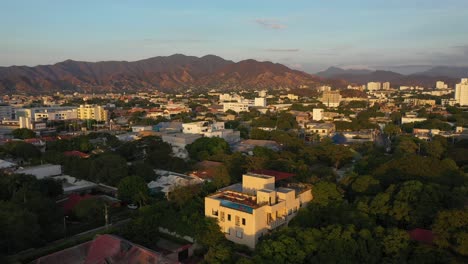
[
  {"x": 421, "y": 235},
  {"x": 73, "y": 200},
  {"x": 76, "y": 153},
  {"x": 105, "y": 249},
  {"x": 279, "y": 175}
]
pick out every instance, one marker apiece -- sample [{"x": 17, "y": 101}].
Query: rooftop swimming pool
[{"x": 236, "y": 206}]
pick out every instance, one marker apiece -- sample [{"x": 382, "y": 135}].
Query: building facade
[
  {"x": 461, "y": 92},
  {"x": 246, "y": 211},
  {"x": 95, "y": 112},
  {"x": 236, "y": 107},
  {"x": 374, "y": 86},
  {"x": 331, "y": 98}
]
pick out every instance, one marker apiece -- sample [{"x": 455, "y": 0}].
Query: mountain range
[
  {"x": 179, "y": 72},
  {"x": 172, "y": 73},
  {"x": 427, "y": 78}
]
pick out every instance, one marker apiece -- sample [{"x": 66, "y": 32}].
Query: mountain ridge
[{"x": 167, "y": 73}]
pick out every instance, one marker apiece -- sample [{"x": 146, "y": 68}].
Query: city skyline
[{"x": 301, "y": 35}]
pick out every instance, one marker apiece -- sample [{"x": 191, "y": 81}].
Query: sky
[{"x": 309, "y": 35}]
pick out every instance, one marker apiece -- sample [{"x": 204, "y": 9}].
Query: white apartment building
[
  {"x": 215, "y": 129},
  {"x": 95, "y": 112},
  {"x": 317, "y": 114},
  {"x": 293, "y": 97},
  {"x": 411, "y": 118},
  {"x": 321, "y": 129},
  {"x": 324, "y": 88},
  {"x": 246, "y": 211},
  {"x": 262, "y": 93},
  {"x": 441, "y": 85},
  {"x": 260, "y": 101},
  {"x": 236, "y": 107},
  {"x": 49, "y": 113},
  {"x": 374, "y": 86},
  {"x": 331, "y": 98},
  {"x": 6, "y": 112},
  {"x": 461, "y": 92},
  {"x": 65, "y": 114},
  {"x": 386, "y": 86},
  {"x": 229, "y": 97}
]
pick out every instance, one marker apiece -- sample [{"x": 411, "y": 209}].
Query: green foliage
[
  {"x": 29, "y": 214},
  {"x": 22, "y": 150},
  {"x": 23, "y": 133},
  {"x": 18, "y": 227},
  {"x": 90, "y": 210},
  {"x": 326, "y": 193},
  {"x": 282, "y": 121},
  {"x": 133, "y": 189},
  {"x": 205, "y": 147},
  {"x": 451, "y": 227},
  {"x": 108, "y": 169}
]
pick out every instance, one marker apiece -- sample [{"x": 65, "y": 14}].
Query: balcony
[{"x": 276, "y": 223}]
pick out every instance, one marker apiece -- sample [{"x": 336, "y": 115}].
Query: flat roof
[
  {"x": 266, "y": 190},
  {"x": 279, "y": 175},
  {"x": 263, "y": 176},
  {"x": 284, "y": 190}
]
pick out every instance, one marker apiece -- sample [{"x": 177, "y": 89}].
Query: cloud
[
  {"x": 270, "y": 24},
  {"x": 282, "y": 50},
  {"x": 165, "y": 41}
]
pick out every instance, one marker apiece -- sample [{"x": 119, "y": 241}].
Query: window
[
  {"x": 214, "y": 212},
  {"x": 229, "y": 217},
  {"x": 237, "y": 220},
  {"x": 239, "y": 233},
  {"x": 243, "y": 221},
  {"x": 222, "y": 217}
]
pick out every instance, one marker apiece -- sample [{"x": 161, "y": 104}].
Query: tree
[
  {"x": 50, "y": 187},
  {"x": 396, "y": 244},
  {"x": 22, "y": 150},
  {"x": 451, "y": 229},
  {"x": 221, "y": 176},
  {"x": 18, "y": 228},
  {"x": 325, "y": 193},
  {"x": 142, "y": 170},
  {"x": 205, "y": 147},
  {"x": 435, "y": 149},
  {"x": 406, "y": 145},
  {"x": 90, "y": 210},
  {"x": 392, "y": 130},
  {"x": 183, "y": 194},
  {"x": 133, "y": 189},
  {"x": 109, "y": 169},
  {"x": 23, "y": 133}
]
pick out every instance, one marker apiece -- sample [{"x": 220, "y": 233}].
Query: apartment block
[
  {"x": 461, "y": 92},
  {"x": 95, "y": 112},
  {"x": 236, "y": 107},
  {"x": 331, "y": 98},
  {"x": 373, "y": 86},
  {"x": 246, "y": 211}
]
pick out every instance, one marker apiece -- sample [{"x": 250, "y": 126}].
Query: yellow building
[
  {"x": 95, "y": 112},
  {"x": 246, "y": 211}
]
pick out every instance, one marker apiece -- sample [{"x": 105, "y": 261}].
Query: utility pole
[
  {"x": 106, "y": 216},
  {"x": 65, "y": 225}
]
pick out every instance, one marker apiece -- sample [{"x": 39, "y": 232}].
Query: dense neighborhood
[{"x": 370, "y": 174}]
